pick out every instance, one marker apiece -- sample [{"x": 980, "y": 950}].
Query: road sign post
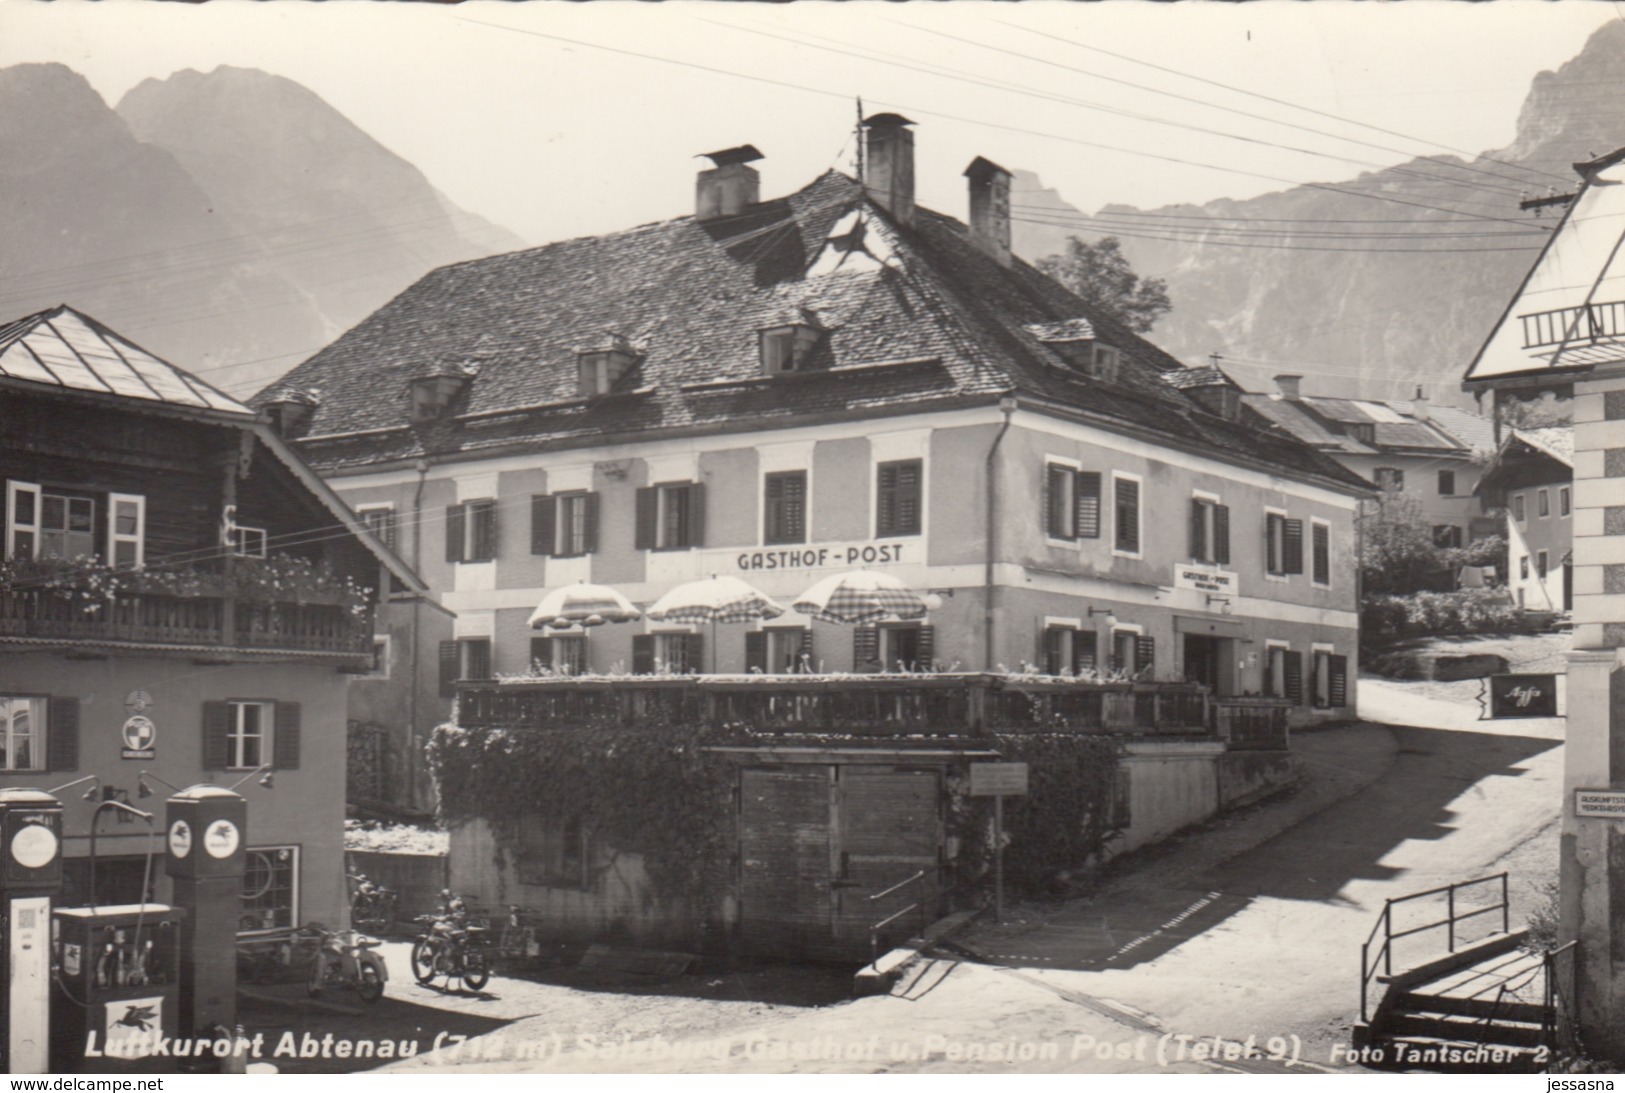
[{"x": 998, "y": 780}]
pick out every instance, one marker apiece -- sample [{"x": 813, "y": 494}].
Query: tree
[{"x": 1100, "y": 274}]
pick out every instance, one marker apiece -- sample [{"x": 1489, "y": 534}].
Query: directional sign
[
  {"x": 1605, "y": 804},
  {"x": 998, "y": 779}
]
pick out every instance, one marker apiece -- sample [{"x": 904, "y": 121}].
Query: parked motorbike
[
  {"x": 372, "y": 907},
  {"x": 345, "y": 958},
  {"x": 453, "y": 946}
]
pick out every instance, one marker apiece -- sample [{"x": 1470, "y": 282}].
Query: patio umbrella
[
  {"x": 860, "y": 596},
  {"x": 587, "y": 604},
  {"x": 715, "y": 599}
]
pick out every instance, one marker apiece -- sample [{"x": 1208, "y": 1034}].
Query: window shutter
[
  {"x": 61, "y": 733},
  {"x": 1269, "y": 674},
  {"x": 216, "y": 727},
  {"x": 643, "y": 654},
  {"x": 886, "y": 522},
  {"x": 1049, "y": 649},
  {"x": 22, "y": 519},
  {"x": 285, "y": 737},
  {"x": 695, "y": 653},
  {"x": 454, "y": 533},
  {"x": 484, "y": 515},
  {"x": 1221, "y": 534},
  {"x": 1323, "y": 553},
  {"x": 1084, "y": 655},
  {"x": 908, "y": 499},
  {"x": 647, "y": 508},
  {"x": 927, "y": 649},
  {"x": 1292, "y": 546},
  {"x": 696, "y": 514},
  {"x": 1294, "y": 677},
  {"x": 541, "y": 654},
  {"x": 1198, "y": 531},
  {"x": 590, "y": 521},
  {"x": 1086, "y": 485},
  {"x": 1115, "y": 661},
  {"x": 541, "y": 524},
  {"x": 1338, "y": 687},
  {"x": 1272, "y": 556},
  {"x": 866, "y": 649},
  {"x": 451, "y": 667},
  {"x": 1128, "y": 515},
  {"x": 756, "y": 651},
  {"x": 1145, "y": 656},
  {"x": 807, "y": 662}
]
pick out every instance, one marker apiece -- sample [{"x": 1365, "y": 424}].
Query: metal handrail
[
  {"x": 1385, "y": 923},
  {"x": 918, "y": 905},
  {"x": 1557, "y": 998}
]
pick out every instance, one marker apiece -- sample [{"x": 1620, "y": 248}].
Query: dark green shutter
[
  {"x": 541, "y": 524},
  {"x": 285, "y": 737},
  {"x": 589, "y": 539},
  {"x": 1049, "y": 649},
  {"x": 1128, "y": 515},
  {"x": 696, "y": 514},
  {"x": 1292, "y": 546},
  {"x": 1338, "y": 688},
  {"x": 61, "y": 734},
  {"x": 451, "y": 668},
  {"x": 927, "y": 649},
  {"x": 216, "y": 728},
  {"x": 1294, "y": 677},
  {"x": 1221, "y": 534},
  {"x": 756, "y": 651},
  {"x": 1084, "y": 656},
  {"x": 866, "y": 649},
  {"x": 1323, "y": 553},
  {"x": 454, "y": 533},
  {"x": 1198, "y": 536},
  {"x": 1145, "y": 656},
  {"x": 694, "y": 653},
  {"x": 1086, "y": 487},
  {"x": 886, "y": 499},
  {"x": 647, "y": 509},
  {"x": 1272, "y": 555},
  {"x": 643, "y": 654}
]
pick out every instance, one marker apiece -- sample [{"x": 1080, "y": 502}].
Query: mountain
[
  {"x": 229, "y": 221},
  {"x": 1359, "y": 316}
]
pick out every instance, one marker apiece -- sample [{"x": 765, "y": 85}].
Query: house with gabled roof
[
  {"x": 1532, "y": 479},
  {"x": 182, "y": 601}
]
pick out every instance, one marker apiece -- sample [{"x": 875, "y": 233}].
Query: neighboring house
[
  {"x": 1431, "y": 455},
  {"x": 1563, "y": 333},
  {"x": 181, "y": 596},
  {"x": 784, "y": 389},
  {"x": 1532, "y": 478}
]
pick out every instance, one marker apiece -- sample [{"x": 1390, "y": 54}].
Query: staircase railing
[
  {"x": 1382, "y": 956},
  {"x": 1560, "y": 1029},
  {"x": 920, "y": 905}
]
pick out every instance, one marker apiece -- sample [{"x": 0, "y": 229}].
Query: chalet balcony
[
  {"x": 1582, "y": 325},
  {"x": 202, "y": 625},
  {"x": 941, "y": 706}
]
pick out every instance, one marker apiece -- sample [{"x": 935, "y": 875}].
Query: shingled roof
[{"x": 925, "y": 321}]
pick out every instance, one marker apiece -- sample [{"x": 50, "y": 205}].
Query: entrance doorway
[{"x": 1206, "y": 662}]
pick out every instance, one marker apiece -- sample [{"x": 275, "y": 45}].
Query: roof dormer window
[
  {"x": 290, "y": 409},
  {"x": 1074, "y": 342},
  {"x": 1363, "y": 431},
  {"x": 601, "y": 367},
  {"x": 790, "y": 347},
  {"x": 1104, "y": 361},
  {"x": 433, "y": 393}
]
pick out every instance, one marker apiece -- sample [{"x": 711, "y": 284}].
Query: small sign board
[
  {"x": 1523, "y": 695},
  {"x": 998, "y": 779},
  {"x": 1603, "y": 804},
  {"x": 1202, "y": 579},
  {"x": 140, "y": 738}
]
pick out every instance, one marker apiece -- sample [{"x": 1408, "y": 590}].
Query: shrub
[{"x": 1467, "y": 611}]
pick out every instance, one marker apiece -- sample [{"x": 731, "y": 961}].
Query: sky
[{"x": 557, "y": 120}]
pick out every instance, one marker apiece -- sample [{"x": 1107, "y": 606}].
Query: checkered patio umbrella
[
  {"x": 715, "y": 599},
  {"x": 586, "y": 604},
  {"x": 860, "y": 596}
]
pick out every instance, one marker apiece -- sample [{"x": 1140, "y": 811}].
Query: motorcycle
[
  {"x": 451, "y": 946},
  {"x": 373, "y": 906},
  {"x": 345, "y": 958}
]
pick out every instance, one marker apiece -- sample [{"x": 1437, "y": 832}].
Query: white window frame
[
  {"x": 565, "y": 532},
  {"x": 1139, "y": 515},
  {"x": 1280, "y": 551},
  {"x": 663, "y": 506},
  {"x": 67, "y": 500},
  {"x": 383, "y": 647},
  {"x": 1309, "y": 550},
  {"x": 1269, "y": 675},
  {"x": 138, "y": 540},
  {"x": 247, "y": 542},
  {"x": 1210, "y": 504},
  {"x": 236, "y": 738},
  {"x": 39, "y": 719},
  {"x": 778, "y": 636},
  {"x": 885, "y": 641},
  {"x": 1543, "y": 504},
  {"x": 1073, "y": 465},
  {"x": 1135, "y": 628},
  {"x": 13, "y": 489},
  {"x": 664, "y": 635}
]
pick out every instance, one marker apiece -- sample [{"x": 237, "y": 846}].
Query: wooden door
[
  {"x": 785, "y": 854},
  {"x": 889, "y": 827}
]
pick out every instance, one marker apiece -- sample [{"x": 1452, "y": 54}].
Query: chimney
[
  {"x": 990, "y": 209},
  {"x": 1419, "y": 405},
  {"x": 888, "y": 165},
  {"x": 1289, "y": 387},
  {"x": 731, "y": 186}
]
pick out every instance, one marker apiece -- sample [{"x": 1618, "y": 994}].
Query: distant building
[
  {"x": 1532, "y": 478},
  {"x": 181, "y": 596}
]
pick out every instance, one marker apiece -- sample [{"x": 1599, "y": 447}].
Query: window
[
  {"x": 22, "y": 733},
  {"x": 564, "y": 655},
  {"x": 248, "y": 734},
  {"x": 1103, "y": 362},
  {"x": 779, "y": 649},
  {"x": 554, "y": 853},
  {"x": 1127, "y": 512},
  {"x": 1540, "y": 564},
  {"x": 1446, "y": 535},
  {"x": 44, "y": 522},
  {"x": 1068, "y": 650},
  {"x": 1073, "y": 502},
  {"x": 1283, "y": 673},
  {"x": 599, "y": 370},
  {"x": 899, "y": 647},
  {"x": 380, "y": 520},
  {"x": 247, "y": 542},
  {"x": 471, "y": 531},
  {"x": 270, "y": 896},
  {"x": 1389, "y": 478},
  {"x": 1543, "y": 503},
  {"x": 564, "y": 525},
  {"x": 674, "y": 653},
  {"x": 1134, "y": 653},
  {"x": 670, "y": 517},
  {"x": 67, "y": 526},
  {"x": 1209, "y": 531},
  {"x": 897, "y": 498},
  {"x": 1447, "y": 483},
  {"x": 1518, "y": 513},
  {"x": 463, "y": 658},
  {"x": 1563, "y": 507},
  {"x": 785, "y": 507},
  {"x": 127, "y": 530},
  {"x": 1329, "y": 680},
  {"x": 1523, "y": 568},
  {"x": 1321, "y": 548},
  {"x": 789, "y": 348},
  {"x": 380, "y": 658},
  {"x": 1283, "y": 545}
]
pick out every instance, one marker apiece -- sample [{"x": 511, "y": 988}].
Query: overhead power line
[{"x": 1144, "y": 234}]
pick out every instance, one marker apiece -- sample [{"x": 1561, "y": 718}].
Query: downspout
[
  {"x": 1007, "y": 407},
  {"x": 417, "y": 622}
]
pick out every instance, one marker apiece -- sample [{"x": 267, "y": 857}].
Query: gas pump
[
  {"x": 30, "y": 876},
  {"x": 206, "y": 830}
]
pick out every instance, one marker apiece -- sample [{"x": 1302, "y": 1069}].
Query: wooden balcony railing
[
  {"x": 186, "y": 621},
  {"x": 1574, "y": 325},
  {"x": 928, "y": 705},
  {"x": 1252, "y": 724}
]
